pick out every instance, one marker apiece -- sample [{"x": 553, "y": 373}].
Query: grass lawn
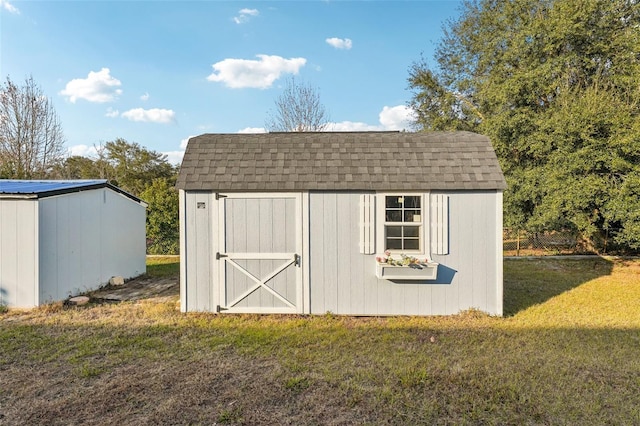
[{"x": 566, "y": 353}]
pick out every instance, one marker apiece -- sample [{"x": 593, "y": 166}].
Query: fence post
[{"x": 518, "y": 243}]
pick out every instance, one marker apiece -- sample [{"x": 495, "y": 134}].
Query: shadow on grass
[
  {"x": 161, "y": 267},
  {"x": 531, "y": 281}
]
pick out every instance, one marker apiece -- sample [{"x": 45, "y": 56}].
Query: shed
[
  {"x": 60, "y": 238},
  {"x": 300, "y": 223}
]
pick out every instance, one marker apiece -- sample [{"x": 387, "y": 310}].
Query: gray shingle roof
[{"x": 383, "y": 161}]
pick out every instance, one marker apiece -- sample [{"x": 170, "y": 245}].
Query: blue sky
[{"x": 158, "y": 72}]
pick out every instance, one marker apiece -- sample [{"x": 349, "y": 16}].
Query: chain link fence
[{"x": 522, "y": 243}]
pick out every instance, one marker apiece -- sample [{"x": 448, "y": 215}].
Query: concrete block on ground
[{"x": 116, "y": 281}]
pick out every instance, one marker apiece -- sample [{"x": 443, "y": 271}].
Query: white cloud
[
  {"x": 112, "y": 113},
  {"x": 399, "y": 117},
  {"x": 241, "y": 73},
  {"x": 245, "y": 15},
  {"x": 144, "y": 97},
  {"x": 175, "y": 157},
  {"x": 351, "y": 126},
  {"x": 253, "y": 130},
  {"x": 340, "y": 43},
  {"x": 97, "y": 87},
  {"x": 82, "y": 151},
  {"x": 154, "y": 115},
  {"x": 4, "y": 4}
]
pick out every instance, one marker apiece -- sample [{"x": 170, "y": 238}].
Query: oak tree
[{"x": 556, "y": 85}]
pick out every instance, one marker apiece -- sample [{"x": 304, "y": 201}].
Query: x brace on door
[{"x": 291, "y": 258}]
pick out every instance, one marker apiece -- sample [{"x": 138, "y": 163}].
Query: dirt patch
[{"x": 144, "y": 287}]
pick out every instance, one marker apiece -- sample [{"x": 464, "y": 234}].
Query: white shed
[
  {"x": 61, "y": 238},
  {"x": 322, "y": 222}
]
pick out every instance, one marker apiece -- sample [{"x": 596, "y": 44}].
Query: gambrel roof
[{"x": 337, "y": 161}]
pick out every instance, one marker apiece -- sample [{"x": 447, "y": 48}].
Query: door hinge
[
  {"x": 297, "y": 260},
  {"x": 219, "y": 195},
  {"x": 219, "y": 255}
]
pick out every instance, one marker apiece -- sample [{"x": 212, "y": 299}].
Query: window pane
[
  {"x": 412, "y": 231},
  {"x": 412, "y": 244},
  {"x": 394, "y": 231},
  {"x": 393, "y": 216},
  {"x": 394, "y": 244},
  {"x": 412, "y": 216},
  {"x": 412, "y": 202},
  {"x": 392, "y": 201}
]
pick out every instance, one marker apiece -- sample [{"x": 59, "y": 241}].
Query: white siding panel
[
  {"x": 18, "y": 253},
  {"x": 467, "y": 277},
  {"x": 199, "y": 236},
  {"x": 472, "y": 258},
  {"x": 182, "y": 220},
  {"x": 346, "y": 244},
  {"x": 330, "y": 253},
  {"x": 124, "y": 236},
  {"x": 86, "y": 238}
]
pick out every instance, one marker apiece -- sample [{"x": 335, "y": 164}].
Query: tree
[
  {"x": 144, "y": 173},
  {"x": 298, "y": 109},
  {"x": 133, "y": 167},
  {"x": 163, "y": 232},
  {"x": 555, "y": 84},
  {"x": 31, "y": 137}
]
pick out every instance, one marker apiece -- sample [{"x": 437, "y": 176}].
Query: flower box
[{"x": 415, "y": 271}]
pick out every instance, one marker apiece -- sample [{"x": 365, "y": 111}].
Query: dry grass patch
[{"x": 568, "y": 355}]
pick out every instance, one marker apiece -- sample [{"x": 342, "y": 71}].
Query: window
[
  {"x": 415, "y": 223},
  {"x": 403, "y": 222}
]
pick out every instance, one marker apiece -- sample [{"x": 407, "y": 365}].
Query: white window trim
[{"x": 424, "y": 226}]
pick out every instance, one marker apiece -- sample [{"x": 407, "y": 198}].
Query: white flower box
[{"x": 416, "y": 271}]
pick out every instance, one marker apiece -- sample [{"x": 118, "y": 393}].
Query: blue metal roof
[
  {"x": 34, "y": 189},
  {"x": 42, "y": 187}
]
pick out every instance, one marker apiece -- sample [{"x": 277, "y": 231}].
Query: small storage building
[
  {"x": 61, "y": 238},
  {"x": 358, "y": 223}
]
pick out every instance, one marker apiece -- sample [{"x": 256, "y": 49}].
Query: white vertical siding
[
  {"x": 124, "y": 236},
  {"x": 475, "y": 254},
  {"x": 199, "y": 244},
  {"x": 343, "y": 280},
  {"x": 86, "y": 238},
  {"x": 19, "y": 253}
]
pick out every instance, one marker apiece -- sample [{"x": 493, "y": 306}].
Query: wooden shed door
[{"x": 261, "y": 243}]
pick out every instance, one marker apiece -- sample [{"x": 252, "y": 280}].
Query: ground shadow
[{"x": 534, "y": 280}]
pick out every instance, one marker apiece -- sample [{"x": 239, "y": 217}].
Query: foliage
[
  {"x": 134, "y": 167},
  {"x": 555, "y": 84},
  {"x": 162, "y": 216},
  {"x": 31, "y": 137},
  {"x": 298, "y": 109},
  {"x": 567, "y": 354},
  {"x": 144, "y": 173}
]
